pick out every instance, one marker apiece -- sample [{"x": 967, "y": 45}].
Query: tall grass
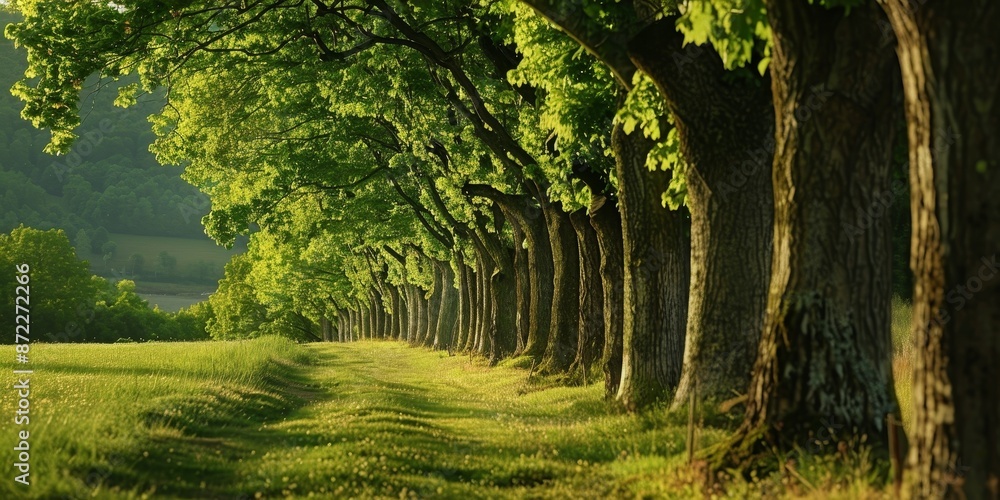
[
  {"x": 902, "y": 359},
  {"x": 100, "y": 412}
]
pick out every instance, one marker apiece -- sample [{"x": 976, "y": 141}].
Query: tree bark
[
  {"x": 522, "y": 211},
  {"x": 825, "y": 354},
  {"x": 486, "y": 324},
  {"x": 422, "y": 317},
  {"x": 522, "y": 277},
  {"x": 607, "y": 223},
  {"x": 657, "y": 260},
  {"x": 352, "y": 327},
  {"x": 725, "y": 121},
  {"x": 398, "y": 312},
  {"x": 466, "y": 313},
  {"x": 433, "y": 305},
  {"x": 413, "y": 313},
  {"x": 590, "y": 341},
  {"x": 447, "y": 317},
  {"x": 560, "y": 349},
  {"x": 949, "y": 56}
]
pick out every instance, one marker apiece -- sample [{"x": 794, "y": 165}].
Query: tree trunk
[
  {"x": 422, "y": 317},
  {"x": 527, "y": 216},
  {"x": 949, "y": 55},
  {"x": 466, "y": 312},
  {"x": 475, "y": 307},
  {"x": 487, "y": 321},
  {"x": 725, "y": 123},
  {"x": 522, "y": 277},
  {"x": 607, "y": 223},
  {"x": 656, "y": 249},
  {"x": 412, "y": 312},
  {"x": 591, "y": 300},
  {"x": 433, "y": 305},
  {"x": 560, "y": 348},
  {"x": 398, "y": 313},
  {"x": 447, "y": 317},
  {"x": 825, "y": 354},
  {"x": 341, "y": 325},
  {"x": 352, "y": 327}
]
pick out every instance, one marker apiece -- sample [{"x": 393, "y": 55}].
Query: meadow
[{"x": 269, "y": 418}]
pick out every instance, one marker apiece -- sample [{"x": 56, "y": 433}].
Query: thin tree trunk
[
  {"x": 476, "y": 306},
  {"x": 949, "y": 55},
  {"x": 607, "y": 223},
  {"x": 352, "y": 324},
  {"x": 825, "y": 354},
  {"x": 590, "y": 341},
  {"x": 656, "y": 249},
  {"x": 465, "y": 307}
]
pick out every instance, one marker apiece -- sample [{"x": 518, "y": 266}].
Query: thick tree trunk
[
  {"x": 825, "y": 353},
  {"x": 949, "y": 55},
  {"x": 398, "y": 313},
  {"x": 447, "y": 318},
  {"x": 412, "y": 312},
  {"x": 503, "y": 287},
  {"x": 522, "y": 277},
  {"x": 527, "y": 216},
  {"x": 656, "y": 248},
  {"x": 560, "y": 348},
  {"x": 725, "y": 123},
  {"x": 590, "y": 341},
  {"x": 422, "y": 317},
  {"x": 352, "y": 324},
  {"x": 433, "y": 306},
  {"x": 607, "y": 223},
  {"x": 487, "y": 324}
]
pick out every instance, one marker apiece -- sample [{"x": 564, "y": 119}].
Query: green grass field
[{"x": 268, "y": 418}]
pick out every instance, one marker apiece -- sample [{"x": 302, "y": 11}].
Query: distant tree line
[{"x": 68, "y": 304}]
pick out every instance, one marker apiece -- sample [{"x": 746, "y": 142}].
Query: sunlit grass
[
  {"x": 270, "y": 418},
  {"x": 111, "y": 418},
  {"x": 902, "y": 359}
]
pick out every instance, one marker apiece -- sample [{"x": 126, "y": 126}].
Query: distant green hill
[{"x": 110, "y": 180}]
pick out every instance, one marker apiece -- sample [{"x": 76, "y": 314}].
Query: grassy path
[
  {"x": 392, "y": 421},
  {"x": 271, "y": 419}
]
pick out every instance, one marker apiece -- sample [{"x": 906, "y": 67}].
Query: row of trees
[{"x": 463, "y": 175}]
